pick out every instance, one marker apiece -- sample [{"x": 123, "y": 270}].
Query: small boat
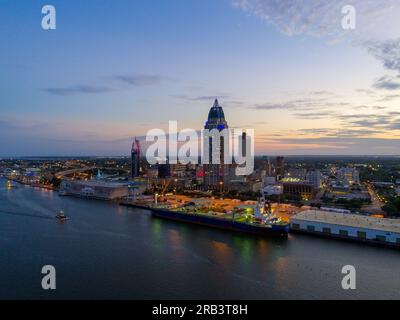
[{"x": 61, "y": 216}]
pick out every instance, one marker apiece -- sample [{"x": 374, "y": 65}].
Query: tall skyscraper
[
  {"x": 266, "y": 166},
  {"x": 244, "y": 144},
  {"x": 280, "y": 167},
  {"x": 215, "y": 175},
  {"x": 164, "y": 171},
  {"x": 135, "y": 158}
]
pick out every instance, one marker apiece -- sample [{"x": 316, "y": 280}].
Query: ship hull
[{"x": 272, "y": 230}]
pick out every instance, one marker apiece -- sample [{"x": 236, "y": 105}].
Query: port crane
[
  {"x": 267, "y": 203},
  {"x": 166, "y": 184}
]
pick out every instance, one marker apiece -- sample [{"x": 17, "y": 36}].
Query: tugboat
[{"x": 61, "y": 216}]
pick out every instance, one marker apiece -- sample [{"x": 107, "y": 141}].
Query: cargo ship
[{"x": 254, "y": 220}]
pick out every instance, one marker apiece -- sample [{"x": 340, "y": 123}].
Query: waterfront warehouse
[
  {"x": 93, "y": 189},
  {"x": 348, "y": 226}
]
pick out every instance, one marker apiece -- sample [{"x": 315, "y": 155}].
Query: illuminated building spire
[{"x": 216, "y": 117}]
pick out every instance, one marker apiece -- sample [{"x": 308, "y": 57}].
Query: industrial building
[
  {"x": 348, "y": 226},
  {"x": 94, "y": 189},
  {"x": 298, "y": 188}
]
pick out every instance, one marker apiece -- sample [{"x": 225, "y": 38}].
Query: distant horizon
[{"x": 256, "y": 156}]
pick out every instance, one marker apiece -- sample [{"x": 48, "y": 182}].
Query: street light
[
  {"x": 155, "y": 198},
  {"x": 175, "y": 187}
]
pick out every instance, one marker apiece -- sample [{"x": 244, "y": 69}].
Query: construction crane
[{"x": 165, "y": 185}]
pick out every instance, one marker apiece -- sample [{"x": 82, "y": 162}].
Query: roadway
[{"x": 376, "y": 203}]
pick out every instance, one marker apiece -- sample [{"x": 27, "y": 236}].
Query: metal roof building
[{"x": 348, "y": 226}]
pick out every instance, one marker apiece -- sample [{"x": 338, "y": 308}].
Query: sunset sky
[{"x": 114, "y": 69}]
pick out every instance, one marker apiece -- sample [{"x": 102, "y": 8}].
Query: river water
[{"x": 106, "y": 251}]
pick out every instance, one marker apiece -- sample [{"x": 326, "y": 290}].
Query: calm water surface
[{"x": 109, "y": 251}]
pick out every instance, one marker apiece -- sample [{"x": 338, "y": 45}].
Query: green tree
[{"x": 391, "y": 210}]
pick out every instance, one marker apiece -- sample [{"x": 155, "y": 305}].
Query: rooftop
[
  {"x": 100, "y": 183},
  {"x": 216, "y": 117},
  {"x": 350, "y": 220}
]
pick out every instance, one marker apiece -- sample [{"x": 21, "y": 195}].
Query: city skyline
[{"x": 110, "y": 73}]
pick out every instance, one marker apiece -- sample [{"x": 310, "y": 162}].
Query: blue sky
[{"x": 115, "y": 69}]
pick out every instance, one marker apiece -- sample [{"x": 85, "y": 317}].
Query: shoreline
[
  {"x": 292, "y": 230},
  {"x": 40, "y": 186}
]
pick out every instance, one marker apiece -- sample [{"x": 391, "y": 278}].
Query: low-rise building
[
  {"x": 348, "y": 226},
  {"x": 314, "y": 178},
  {"x": 94, "y": 189},
  {"x": 296, "y": 173},
  {"x": 348, "y": 175},
  {"x": 298, "y": 188}
]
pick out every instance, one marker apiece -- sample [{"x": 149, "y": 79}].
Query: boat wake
[
  {"x": 19, "y": 200},
  {"x": 24, "y": 214}
]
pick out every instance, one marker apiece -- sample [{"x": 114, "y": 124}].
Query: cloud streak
[
  {"x": 388, "y": 52},
  {"x": 78, "y": 89},
  {"x": 387, "y": 83},
  {"x": 346, "y": 145},
  {"x": 321, "y": 17},
  {"x": 140, "y": 80},
  {"x": 376, "y": 30}
]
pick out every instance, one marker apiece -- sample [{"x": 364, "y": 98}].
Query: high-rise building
[
  {"x": 280, "y": 167},
  {"x": 348, "y": 175},
  {"x": 215, "y": 175},
  {"x": 244, "y": 144},
  {"x": 314, "y": 178},
  {"x": 135, "y": 158},
  {"x": 164, "y": 171},
  {"x": 265, "y": 165}
]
